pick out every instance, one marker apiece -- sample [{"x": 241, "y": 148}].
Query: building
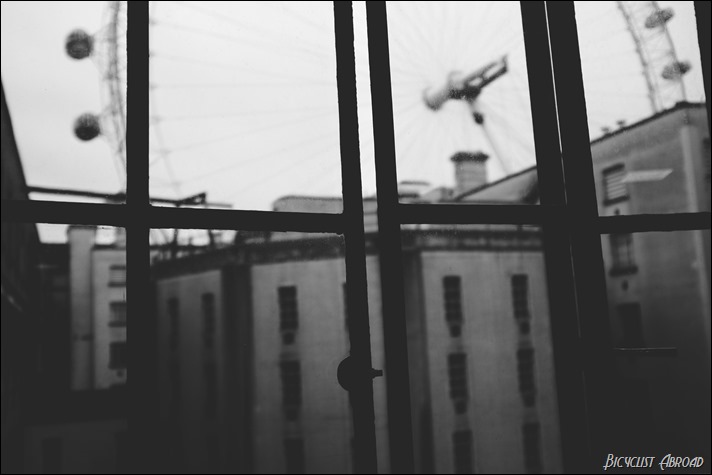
[
  {"x": 98, "y": 307},
  {"x": 262, "y": 326},
  {"x": 659, "y": 282},
  {"x": 267, "y": 317},
  {"x": 251, "y": 336}
]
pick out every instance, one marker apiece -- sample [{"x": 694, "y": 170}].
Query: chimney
[{"x": 470, "y": 170}]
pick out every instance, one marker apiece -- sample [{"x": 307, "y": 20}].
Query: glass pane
[
  {"x": 482, "y": 381},
  {"x": 64, "y": 79},
  {"x": 659, "y": 297},
  {"x": 461, "y": 102},
  {"x": 244, "y": 103},
  {"x": 252, "y": 327},
  {"x": 64, "y": 367},
  {"x": 646, "y": 106}
]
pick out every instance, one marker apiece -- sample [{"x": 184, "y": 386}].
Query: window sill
[
  {"x": 627, "y": 270},
  {"x": 612, "y": 201}
]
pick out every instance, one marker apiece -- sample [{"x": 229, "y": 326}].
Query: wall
[
  {"x": 200, "y": 439},
  {"x": 490, "y": 339},
  {"x": 104, "y": 291}
]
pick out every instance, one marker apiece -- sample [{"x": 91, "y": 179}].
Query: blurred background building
[{"x": 251, "y": 333}]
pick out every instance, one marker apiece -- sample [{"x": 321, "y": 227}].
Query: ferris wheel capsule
[
  {"x": 79, "y": 44},
  {"x": 87, "y": 127},
  {"x": 659, "y": 18},
  {"x": 675, "y": 70}
]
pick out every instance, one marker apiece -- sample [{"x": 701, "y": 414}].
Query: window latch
[{"x": 349, "y": 373}]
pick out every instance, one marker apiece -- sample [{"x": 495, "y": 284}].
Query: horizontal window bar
[
  {"x": 163, "y": 217},
  {"x": 54, "y": 212},
  {"x": 198, "y": 218},
  {"x": 479, "y": 214},
  {"x": 639, "y": 223}
]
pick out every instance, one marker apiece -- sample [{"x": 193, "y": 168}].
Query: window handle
[
  {"x": 349, "y": 373},
  {"x": 661, "y": 351}
]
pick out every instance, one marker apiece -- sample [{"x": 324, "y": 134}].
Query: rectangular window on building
[
  {"x": 173, "y": 323},
  {"x": 632, "y": 325},
  {"x": 210, "y": 401},
  {"x": 117, "y": 314},
  {"x": 117, "y": 355},
  {"x": 208, "y": 307},
  {"x": 623, "y": 260},
  {"x": 294, "y": 454},
  {"x": 51, "y": 455},
  {"x": 291, "y": 388},
  {"x": 452, "y": 296},
  {"x": 288, "y": 313},
  {"x": 457, "y": 376},
  {"x": 462, "y": 451},
  {"x": 526, "y": 376},
  {"x": 532, "y": 447},
  {"x": 520, "y": 302},
  {"x": 614, "y": 187},
  {"x": 117, "y": 275}
]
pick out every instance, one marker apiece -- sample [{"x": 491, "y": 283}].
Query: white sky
[{"x": 245, "y": 101}]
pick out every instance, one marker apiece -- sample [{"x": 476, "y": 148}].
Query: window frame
[{"x": 568, "y": 215}]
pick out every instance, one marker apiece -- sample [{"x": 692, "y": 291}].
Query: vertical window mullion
[
  {"x": 556, "y": 239},
  {"x": 361, "y": 394},
  {"x": 389, "y": 244},
  {"x": 587, "y": 259},
  {"x": 142, "y": 403}
]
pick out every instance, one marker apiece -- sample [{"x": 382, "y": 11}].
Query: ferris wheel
[
  {"x": 243, "y": 94},
  {"x": 107, "y": 48}
]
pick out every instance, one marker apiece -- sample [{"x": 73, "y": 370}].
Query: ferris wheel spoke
[
  {"x": 251, "y": 113},
  {"x": 225, "y": 66},
  {"x": 310, "y": 55},
  {"x": 250, "y": 132},
  {"x": 434, "y": 57},
  {"x": 282, "y": 171},
  {"x": 251, "y": 159}
]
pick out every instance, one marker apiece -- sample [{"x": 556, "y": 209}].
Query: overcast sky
[{"x": 244, "y": 94}]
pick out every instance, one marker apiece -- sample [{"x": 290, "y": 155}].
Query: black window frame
[{"x": 567, "y": 214}]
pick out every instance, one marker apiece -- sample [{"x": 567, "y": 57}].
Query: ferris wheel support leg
[{"x": 479, "y": 117}]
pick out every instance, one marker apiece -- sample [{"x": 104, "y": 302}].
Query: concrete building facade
[
  {"x": 98, "y": 308},
  {"x": 659, "y": 282},
  {"x": 483, "y": 395}
]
